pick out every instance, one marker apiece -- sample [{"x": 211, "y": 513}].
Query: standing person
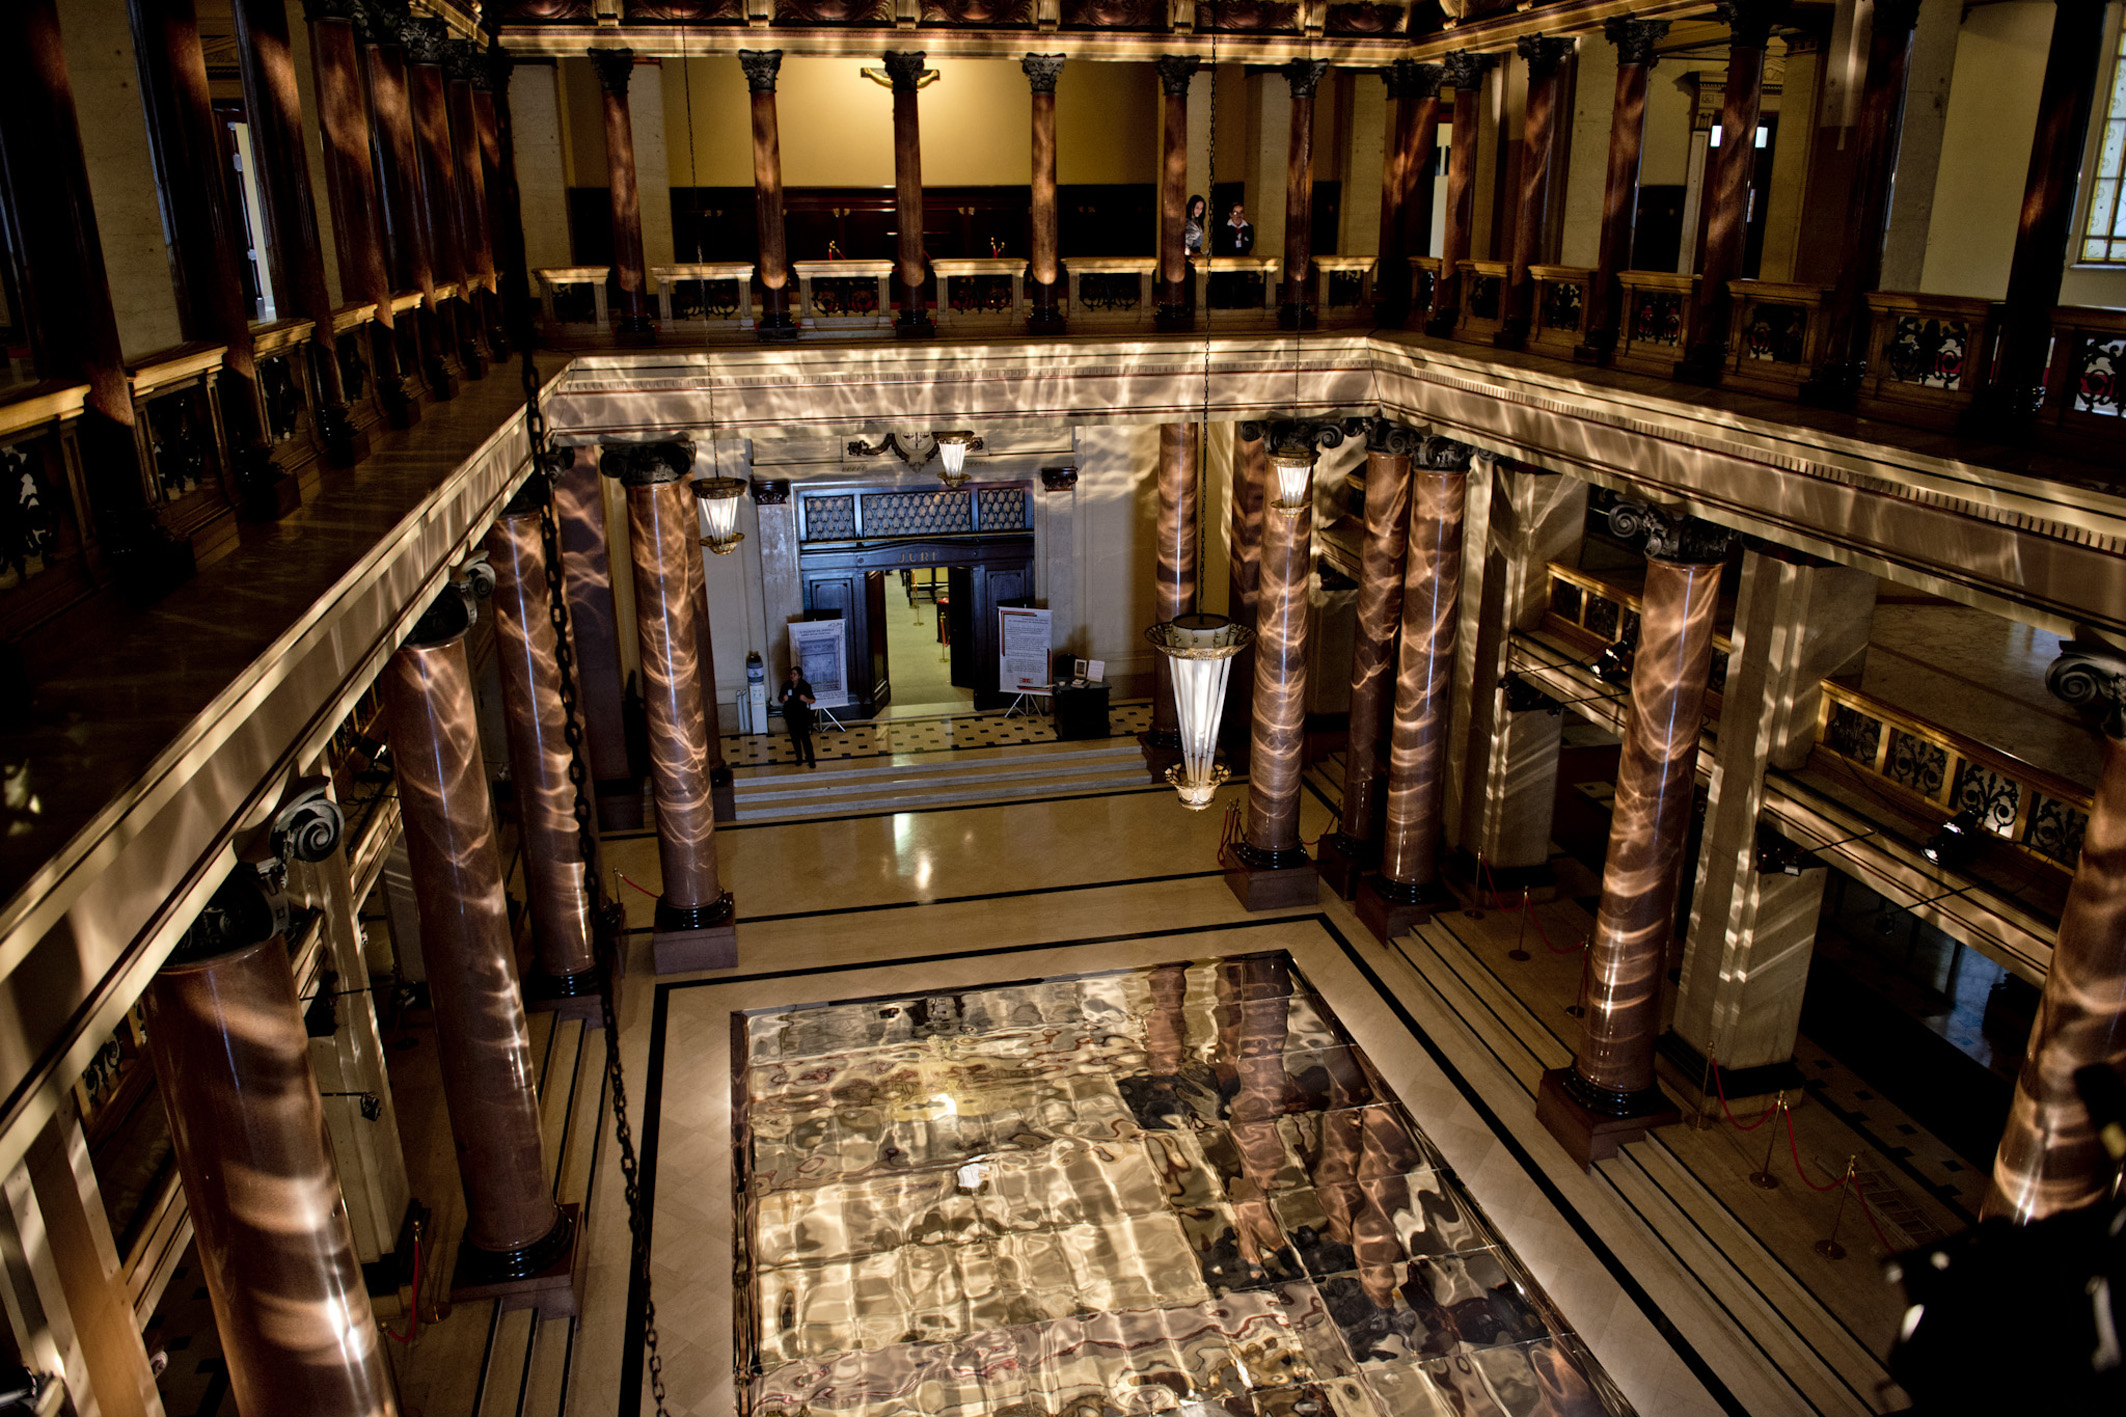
[
  {"x": 796, "y": 700},
  {"x": 1236, "y": 237},
  {"x": 1192, "y": 226}
]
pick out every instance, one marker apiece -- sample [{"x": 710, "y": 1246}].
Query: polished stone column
[
  {"x": 1174, "y": 590},
  {"x": 1465, "y": 74},
  {"x": 2044, "y": 237},
  {"x": 1295, "y": 307},
  {"x": 1727, "y": 184},
  {"x": 350, "y": 179},
  {"x": 555, "y": 874},
  {"x": 631, "y": 300},
  {"x": 1176, "y": 309},
  {"x": 399, "y": 163},
  {"x": 1882, "y": 104},
  {"x": 913, "y": 270},
  {"x": 466, "y": 71},
  {"x": 1044, "y": 269},
  {"x": 1270, "y": 867},
  {"x": 693, "y": 927},
  {"x": 427, "y": 49},
  {"x": 513, "y": 1228},
  {"x": 225, "y": 1030},
  {"x": 1352, "y": 849},
  {"x": 1544, "y": 56},
  {"x": 505, "y": 215},
  {"x": 594, "y": 631},
  {"x": 1244, "y": 508},
  {"x": 1405, "y": 192},
  {"x": 773, "y": 321},
  {"x": 276, "y": 115},
  {"x": 2050, "y": 1156},
  {"x": 1635, "y": 40},
  {"x": 1408, "y": 889},
  {"x": 721, "y": 786},
  {"x": 67, "y": 311},
  {"x": 205, "y": 235},
  {"x": 1608, "y": 1096}
]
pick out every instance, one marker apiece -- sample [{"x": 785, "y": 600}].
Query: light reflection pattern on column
[{"x": 1199, "y": 650}]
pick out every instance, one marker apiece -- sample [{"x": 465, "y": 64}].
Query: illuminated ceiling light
[
  {"x": 719, "y": 497},
  {"x": 1294, "y": 470},
  {"x": 951, "y": 446},
  {"x": 952, "y": 451},
  {"x": 1201, "y": 648}
]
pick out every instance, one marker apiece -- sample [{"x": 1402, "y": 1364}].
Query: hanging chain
[{"x": 1203, "y": 429}]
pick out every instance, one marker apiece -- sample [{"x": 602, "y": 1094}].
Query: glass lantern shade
[
  {"x": 1295, "y": 476},
  {"x": 1201, "y": 648},
  {"x": 952, "y": 451},
  {"x": 719, "y": 512}
]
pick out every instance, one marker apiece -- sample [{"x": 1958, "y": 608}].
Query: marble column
[
  {"x": 1545, "y": 56},
  {"x": 1355, "y": 846},
  {"x": 594, "y": 630},
  {"x": 398, "y": 152},
  {"x": 466, "y": 70},
  {"x": 1608, "y": 1096},
  {"x": 513, "y": 1228},
  {"x": 912, "y": 269},
  {"x": 1405, "y": 185},
  {"x": 1176, "y": 308},
  {"x": 205, "y": 235},
  {"x": 1727, "y": 185},
  {"x": 496, "y": 124},
  {"x": 631, "y": 298},
  {"x": 1798, "y": 621},
  {"x": 1465, "y": 75},
  {"x": 555, "y": 873},
  {"x": 427, "y": 49},
  {"x": 283, "y": 165},
  {"x": 693, "y": 928},
  {"x": 1270, "y": 868},
  {"x": 1408, "y": 888},
  {"x": 1635, "y": 40},
  {"x": 2051, "y": 1158},
  {"x": 247, "y": 1126},
  {"x": 350, "y": 179},
  {"x": 2044, "y": 237},
  {"x": 1244, "y": 506},
  {"x": 1295, "y": 306},
  {"x": 1174, "y": 591},
  {"x": 67, "y": 311},
  {"x": 1045, "y": 280},
  {"x": 773, "y": 322},
  {"x": 721, "y": 785},
  {"x": 1844, "y": 360}
]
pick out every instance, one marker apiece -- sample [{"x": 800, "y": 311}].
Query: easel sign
[
  {"x": 820, "y": 646},
  {"x": 1022, "y": 649}
]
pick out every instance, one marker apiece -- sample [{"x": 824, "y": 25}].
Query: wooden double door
[{"x": 857, "y": 583}]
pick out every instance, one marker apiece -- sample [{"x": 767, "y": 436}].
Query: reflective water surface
[{"x": 1175, "y": 1189}]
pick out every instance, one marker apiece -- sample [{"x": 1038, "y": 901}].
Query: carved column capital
[
  {"x": 316, "y": 10},
  {"x": 1406, "y": 78},
  {"x": 1058, "y": 479},
  {"x": 1635, "y": 39},
  {"x": 1384, "y": 435},
  {"x": 465, "y": 61},
  {"x": 1749, "y": 22},
  {"x": 1543, "y": 53},
  {"x": 427, "y": 41},
  {"x": 615, "y": 67},
  {"x": 1439, "y": 454},
  {"x": 771, "y": 491},
  {"x": 1042, "y": 71},
  {"x": 2091, "y": 676},
  {"x": 1174, "y": 71},
  {"x": 1293, "y": 437},
  {"x": 378, "y": 21},
  {"x": 1670, "y": 535},
  {"x": 1466, "y": 68},
  {"x": 761, "y": 66},
  {"x": 1305, "y": 75},
  {"x": 647, "y": 464},
  {"x": 905, "y": 68},
  {"x": 497, "y": 65}
]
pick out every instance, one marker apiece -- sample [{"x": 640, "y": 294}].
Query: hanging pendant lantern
[
  {"x": 952, "y": 450},
  {"x": 1294, "y": 470},
  {"x": 719, "y": 512},
  {"x": 1202, "y": 649}
]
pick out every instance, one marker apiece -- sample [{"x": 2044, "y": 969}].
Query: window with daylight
[{"x": 2104, "y": 240}]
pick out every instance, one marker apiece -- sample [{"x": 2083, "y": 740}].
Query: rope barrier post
[
  {"x": 1703, "y": 1121},
  {"x": 1762, "y": 1178},
  {"x": 1519, "y": 952},
  {"x": 1475, "y": 909},
  {"x": 1828, "y": 1246},
  {"x": 1578, "y": 1007}
]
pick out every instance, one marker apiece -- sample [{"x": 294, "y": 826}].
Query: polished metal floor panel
[{"x": 1173, "y": 1189}]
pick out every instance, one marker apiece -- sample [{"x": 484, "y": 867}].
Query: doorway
[{"x": 919, "y": 642}]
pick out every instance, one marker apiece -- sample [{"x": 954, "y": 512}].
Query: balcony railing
[
  {"x": 2085, "y": 389},
  {"x": 48, "y": 556},
  {"x": 981, "y": 293},
  {"x": 183, "y": 450},
  {"x": 1345, "y": 292},
  {"x": 1560, "y": 324},
  {"x": 1657, "y": 321},
  {"x": 1238, "y": 282},
  {"x": 1589, "y": 612},
  {"x": 713, "y": 293},
  {"x": 1924, "y": 355},
  {"x": 1775, "y": 335},
  {"x": 1483, "y": 300},
  {"x": 1111, "y": 290},
  {"x": 845, "y": 295}
]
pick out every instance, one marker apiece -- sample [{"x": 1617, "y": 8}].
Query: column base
[
  {"x": 1440, "y": 323},
  {"x": 1343, "y": 862},
  {"x": 1748, "y": 1089},
  {"x": 1703, "y": 366},
  {"x": 1589, "y": 1136},
  {"x": 778, "y": 326},
  {"x": 1296, "y": 315},
  {"x": 1599, "y": 350},
  {"x": 471, "y": 361},
  {"x": 914, "y": 326},
  {"x": 689, "y": 938},
  {"x": 634, "y": 330},
  {"x": 397, "y": 403},
  {"x": 1389, "y": 909},
  {"x": 565, "y": 996},
  {"x": 1272, "y": 880},
  {"x": 620, "y": 804},
  {"x": 1174, "y": 318},
  {"x": 1836, "y": 386},
  {"x": 553, "y": 1286},
  {"x": 1161, "y": 751}
]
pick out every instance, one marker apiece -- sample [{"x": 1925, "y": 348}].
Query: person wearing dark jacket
[
  {"x": 796, "y": 700},
  {"x": 1234, "y": 237}
]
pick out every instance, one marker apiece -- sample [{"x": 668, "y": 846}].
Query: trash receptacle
[{"x": 1081, "y": 710}]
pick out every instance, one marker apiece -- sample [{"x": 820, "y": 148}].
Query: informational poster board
[
  {"x": 1022, "y": 649},
  {"x": 821, "y": 647}
]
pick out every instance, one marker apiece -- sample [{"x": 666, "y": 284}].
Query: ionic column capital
[
  {"x": 1667, "y": 534},
  {"x": 771, "y": 491},
  {"x": 647, "y": 464},
  {"x": 2091, "y": 676},
  {"x": 447, "y": 617},
  {"x": 1439, "y": 454},
  {"x": 1293, "y": 438}
]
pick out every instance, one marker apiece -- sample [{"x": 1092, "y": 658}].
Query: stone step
[{"x": 999, "y": 774}]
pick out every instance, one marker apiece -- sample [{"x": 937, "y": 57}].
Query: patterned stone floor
[{"x": 921, "y": 735}]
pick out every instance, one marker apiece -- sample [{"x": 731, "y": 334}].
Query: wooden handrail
[{"x": 2007, "y": 764}]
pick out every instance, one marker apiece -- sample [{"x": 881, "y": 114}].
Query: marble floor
[{"x": 921, "y": 732}]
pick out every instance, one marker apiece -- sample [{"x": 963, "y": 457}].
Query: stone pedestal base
[
  {"x": 1340, "y": 869},
  {"x": 471, "y": 362},
  {"x": 565, "y": 998},
  {"x": 685, "y": 951},
  {"x": 1749, "y": 1089},
  {"x": 442, "y": 381},
  {"x": 1273, "y": 887},
  {"x": 556, "y": 1291},
  {"x": 723, "y": 797},
  {"x": 344, "y": 449},
  {"x": 1587, "y": 1136},
  {"x": 1387, "y": 917}
]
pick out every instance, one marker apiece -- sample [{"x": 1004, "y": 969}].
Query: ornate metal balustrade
[
  {"x": 1112, "y": 290},
  {"x": 48, "y": 554},
  {"x": 1424, "y": 284},
  {"x": 1346, "y": 289},
  {"x": 1775, "y": 335},
  {"x": 1657, "y": 320},
  {"x": 979, "y": 291},
  {"x": 177, "y": 422},
  {"x": 573, "y": 295},
  {"x": 1590, "y": 613},
  {"x": 1925, "y": 355},
  {"x": 1483, "y": 300},
  {"x": 1560, "y": 324},
  {"x": 845, "y": 295},
  {"x": 2085, "y": 390},
  {"x": 1238, "y": 282},
  {"x": 712, "y": 292},
  {"x": 287, "y": 387}
]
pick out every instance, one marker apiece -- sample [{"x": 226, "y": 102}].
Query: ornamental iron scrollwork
[
  {"x": 1928, "y": 352},
  {"x": 1346, "y": 289},
  {"x": 282, "y": 395},
  {"x": 1916, "y": 764},
  {"x": 979, "y": 294},
  {"x": 845, "y": 295},
  {"x": 1561, "y": 305},
  {"x": 2056, "y": 829},
  {"x": 179, "y": 446},
  {"x": 1853, "y": 735},
  {"x": 1657, "y": 318},
  {"x": 2091, "y": 676},
  {"x": 1988, "y": 795},
  {"x": 1670, "y": 535},
  {"x": 830, "y": 518},
  {"x": 2095, "y": 377},
  {"x": 1776, "y": 334},
  {"x": 1109, "y": 290},
  {"x": 29, "y": 516},
  {"x": 1604, "y": 616},
  {"x": 1484, "y": 296}
]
